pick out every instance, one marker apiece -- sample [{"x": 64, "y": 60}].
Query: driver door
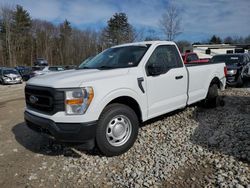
[{"x": 166, "y": 81}]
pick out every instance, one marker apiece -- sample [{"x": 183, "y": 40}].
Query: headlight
[
  {"x": 6, "y": 78},
  {"x": 232, "y": 72},
  {"x": 77, "y": 101}
]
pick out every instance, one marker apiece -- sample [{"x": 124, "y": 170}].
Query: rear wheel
[
  {"x": 117, "y": 129},
  {"x": 212, "y": 98}
]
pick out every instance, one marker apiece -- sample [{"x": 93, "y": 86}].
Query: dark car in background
[
  {"x": 70, "y": 67},
  {"x": 36, "y": 71},
  {"x": 237, "y": 67},
  {"x": 24, "y": 71},
  {"x": 41, "y": 62},
  {"x": 10, "y": 76},
  {"x": 54, "y": 68}
]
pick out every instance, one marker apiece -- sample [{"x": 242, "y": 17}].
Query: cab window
[{"x": 164, "y": 58}]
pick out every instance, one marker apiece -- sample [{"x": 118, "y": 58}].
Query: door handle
[{"x": 178, "y": 77}]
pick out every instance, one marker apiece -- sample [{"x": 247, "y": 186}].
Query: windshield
[
  {"x": 85, "y": 61},
  {"x": 228, "y": 59},
  {"x": 10, "y": 71},
  {"x": 119, "y": 57},
  {"x": 24, "y": 71}
]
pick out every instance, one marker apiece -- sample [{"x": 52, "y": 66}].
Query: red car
[{"x": 191, "y": 57}]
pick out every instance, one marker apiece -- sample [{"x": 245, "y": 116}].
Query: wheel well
[
  {"x": 132, "y": 103},
  {"x": 216, "y": 81}
]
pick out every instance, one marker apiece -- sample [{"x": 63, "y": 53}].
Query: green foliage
[
  {"x": 247, "y": 39},
  {"x": 184, "y": 45},
  {"x": 118, "y": 30},
  {"x": 65, "y": 29},
  {"x": 215, "y": 40},
  {"x": 6, "y": 25},
  {"x": 21, "y": 35},
  {"x": 22, "y": 21},
  {"x": 22, "y": 39},
  {"x": 228, "y": 40},
  {"x": 64, "y": 42}
]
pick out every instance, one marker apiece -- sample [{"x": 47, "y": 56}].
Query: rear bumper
[
  {"x": 232, "y": 80},
  {"x": 64, "y": 132}
]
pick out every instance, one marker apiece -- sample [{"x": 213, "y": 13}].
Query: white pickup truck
[{"x": 103, "y": 102}]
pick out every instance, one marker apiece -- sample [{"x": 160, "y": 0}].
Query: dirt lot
[{"x": 193, "y": 136}]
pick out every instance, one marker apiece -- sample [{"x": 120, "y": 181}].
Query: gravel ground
[{"x": 194, "y": 147}]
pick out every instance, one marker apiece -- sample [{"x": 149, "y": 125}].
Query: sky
[{"x": 200, "y": 18}]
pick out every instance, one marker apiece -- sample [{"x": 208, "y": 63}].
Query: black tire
[
  {"x": 111, "y": 112},
  {"x": 212, "y": 98},
  {"x": 240, "y": 81}
]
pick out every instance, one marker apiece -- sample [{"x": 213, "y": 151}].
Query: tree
[
  {"x": 21, "y": 29},
  {"x": 64, "y": 42},
  {"x": 247, "y": 40},
  {"x": 6, "y": 35},
  {"x": 238, "y": 40},
  {"x": 215, "y": 40},
  {"x": 44, "y": 37},
  {"x": 228, "y": 40},
  {"x": 118, "y": 30},
  {"x": 151, "y": 35},
  {"x": 183, "y": 45},
  {"x": 170, "y": 22}
]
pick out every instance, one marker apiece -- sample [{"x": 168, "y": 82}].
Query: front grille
[{"x": 44, "y": 99}]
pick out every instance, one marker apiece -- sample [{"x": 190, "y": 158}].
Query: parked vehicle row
[
  {"x": 41, "y": 62},
  {"x": 103, "y": 102},
  {"x": 10, "y": 76},
  {"x": 191, "y": 57},
  {"x": 24, "y": 72},
  {"x": 40, "y": 70},
  {"x": 238, "y": 67}
]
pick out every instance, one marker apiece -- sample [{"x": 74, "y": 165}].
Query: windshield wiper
[
  {"x": 84, "y": 68},
  {"x": 105, "y": 67}
]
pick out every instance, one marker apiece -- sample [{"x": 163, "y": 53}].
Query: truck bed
[{"x": 200, "y": 76}]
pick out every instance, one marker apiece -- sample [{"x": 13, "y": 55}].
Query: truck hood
[{"x": 74, "y": 78}]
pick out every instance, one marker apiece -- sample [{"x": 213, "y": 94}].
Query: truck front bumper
[{"x": 83, "y": 133}]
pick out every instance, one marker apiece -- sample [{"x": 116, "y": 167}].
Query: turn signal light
[{"x": 74, "y": 101}]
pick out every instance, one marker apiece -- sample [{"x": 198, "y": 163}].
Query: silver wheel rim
[{"x": 118, "y": 130}]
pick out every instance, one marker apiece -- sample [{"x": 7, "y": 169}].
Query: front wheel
[
  {"x": 2, "y": 82},
  {"x": 117, "y": 129}
]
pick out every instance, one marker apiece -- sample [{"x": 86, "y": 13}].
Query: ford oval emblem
[{"x": 33, "y": 99}]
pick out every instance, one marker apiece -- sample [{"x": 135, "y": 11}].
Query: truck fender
[
  {"x": 214, "y": 78},
  {"x": 124, "y": 92}
]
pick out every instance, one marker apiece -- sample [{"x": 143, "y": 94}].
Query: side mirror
[{"x": 155, "y": 69}]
